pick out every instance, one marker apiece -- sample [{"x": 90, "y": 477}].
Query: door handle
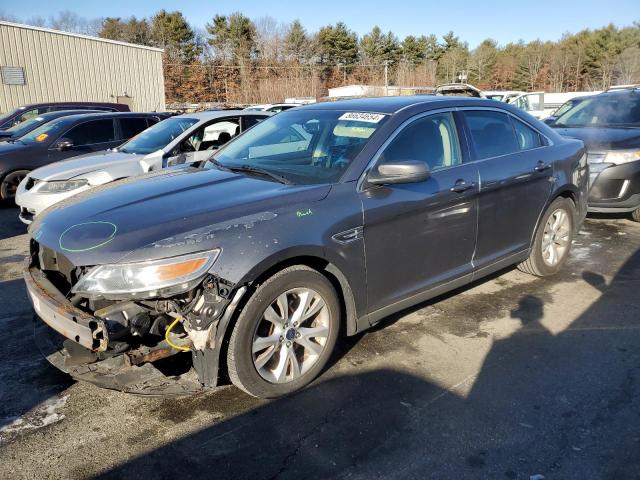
[
  {"x": 462, "y": 186},
  {"x": 541, "y": 166}
]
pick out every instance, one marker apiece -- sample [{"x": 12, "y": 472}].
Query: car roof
[
  {"x": 390, "y": 105},
  {"x": 64, "y": 113},
  {"x": 211, "y": 115},
  {"x": 99, "y": 115},
  {"x": 84, "y": 104}
]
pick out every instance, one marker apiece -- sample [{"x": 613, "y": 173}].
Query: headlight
[
  {"x": 167, "y": 276},
  {"x": 622, "y": 156},
  {"x": 61, "y": 186}
]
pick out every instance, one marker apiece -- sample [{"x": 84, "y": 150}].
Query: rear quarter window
[{"x": 527, "y": 137}]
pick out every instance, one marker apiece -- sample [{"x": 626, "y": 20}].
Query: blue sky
[{"x": 473, "y": 21}]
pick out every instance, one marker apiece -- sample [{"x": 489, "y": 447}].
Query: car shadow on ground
[
  {"x": 561, "y": 404},
  {"x": 11, "y": 225}
]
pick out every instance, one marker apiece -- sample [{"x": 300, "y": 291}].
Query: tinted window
[
  {"x": 527, "y": 137},
  {"x": 251, "y": 121},
  {"x": 132, "y": 126},
  {"x": 491, "y": 133},
  {"x": 603, "y": 110},
  {"x": 432, "y": 139},
  {"x": 88, "y": 133}
]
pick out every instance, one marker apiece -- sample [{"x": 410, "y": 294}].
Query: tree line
[{"x": 239, "y": 60}]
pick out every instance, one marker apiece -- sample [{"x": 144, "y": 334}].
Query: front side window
[
  {"x": 304, "y": 146},
  {"x": 527, "y": 137},
  {"x": 491, "y": 133},
  {"x": 432, "y": 139},
  {"x": 159, "y": 136},
  {"x": 93, "y": 132}
]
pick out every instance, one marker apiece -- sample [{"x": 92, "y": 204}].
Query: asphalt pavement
[{"x": 513, "y": 377}]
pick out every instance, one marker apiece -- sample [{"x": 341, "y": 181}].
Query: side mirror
[
  {"x": 549, "y": 120},
  {"x": 408, "y": 171},
  {"x": 63, "y": 145}
]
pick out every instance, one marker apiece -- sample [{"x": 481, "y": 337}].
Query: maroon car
[{"x": 26, "y": 112}]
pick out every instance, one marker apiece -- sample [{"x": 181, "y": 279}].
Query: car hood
[
  {"x": 7, "y": 148},
  {"x": 599, "y": 138},
  {"x": 83, "y": 164},
  {"x": 164, "y": 214}
]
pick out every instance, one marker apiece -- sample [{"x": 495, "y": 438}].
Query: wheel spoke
[
  {"x": 280, "y": 372},
  {"x": 263, "y": 358},
  {"x": 283, "y": 306},
  {"x": 270, "y": 315},
  {"x": 294, "y": 364},
  {"x": 314, "y": 308},
  {"x": 260, "y": 343},
  {"x": 305, "y": 298},
  {"x": 312, "y": 347}
]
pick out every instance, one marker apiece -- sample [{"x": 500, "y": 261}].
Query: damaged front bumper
[{"x": 78, "y": 343}]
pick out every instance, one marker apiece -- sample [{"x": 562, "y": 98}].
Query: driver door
[
  {"x": 421, "y": 235},
  {"x": 201, "y": 144}
]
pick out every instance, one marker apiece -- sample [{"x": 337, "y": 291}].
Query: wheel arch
[{"x": 566, "y": 191}]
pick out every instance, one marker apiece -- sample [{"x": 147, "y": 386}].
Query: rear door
[
  {"x": 89, "y": 136},
  {"x": 420, "y": 235},
  {"x": 516, "y": 180}
]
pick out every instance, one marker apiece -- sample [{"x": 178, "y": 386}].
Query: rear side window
[
  {"x": 132, "y": 126},
  {"x": 88, "y": 133},
  {"x": 491, "y": 133},
  {"x": 527, "y": 137},
  {"x": 432, "y": 139},
  {"x": 251, "y": 121}
]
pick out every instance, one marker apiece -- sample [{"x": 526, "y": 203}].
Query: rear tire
[
  {"x": 552, "y": 242},
  {"x": 285, "y": 334},
  {"x": 10, "y": 183},
  {"x": 635, "y": 215}
]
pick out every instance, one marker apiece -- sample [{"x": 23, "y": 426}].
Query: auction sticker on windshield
[{"x": 362, "y": 117}]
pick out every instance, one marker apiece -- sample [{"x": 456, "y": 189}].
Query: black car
[
  {"x": 609, "y": 126},
  {"x": 318, "y": 221},
  {"x": 64, "y": 138},
  {"x": 27, "y": 126},
  {"x": 26, "y": 112}
]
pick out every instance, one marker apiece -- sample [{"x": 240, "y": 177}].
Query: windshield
[
  {"x": 303, "y": 146},
  {"x": 45, "y": 132},
  {"x": 603, "y": 111},
  {"x": 158, "y": 136},
  {"x": 24, "y": 127}
]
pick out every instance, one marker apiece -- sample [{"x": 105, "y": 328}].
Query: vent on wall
[{"x": 13, "y": 76}]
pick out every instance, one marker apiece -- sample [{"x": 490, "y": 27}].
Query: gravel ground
[{"x": 511, "y": 378}]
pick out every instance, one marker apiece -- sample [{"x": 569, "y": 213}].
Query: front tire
[
  {"x": 10, "y": 183},
  {"x": 285, "y": 334},
  {"x": 552, "y": 242}
]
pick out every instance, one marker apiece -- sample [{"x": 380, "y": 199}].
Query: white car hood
[{"x": 84, "y": 164}]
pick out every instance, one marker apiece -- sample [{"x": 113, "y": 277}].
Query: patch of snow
[{"x": 44, "y": 414}]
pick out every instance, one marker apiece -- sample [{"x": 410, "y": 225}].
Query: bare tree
[{"x": 628, "y": 66}]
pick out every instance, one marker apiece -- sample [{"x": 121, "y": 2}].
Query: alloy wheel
[
  {"x": 291, "y": 335},
  {"x": 556, "y": 237}
]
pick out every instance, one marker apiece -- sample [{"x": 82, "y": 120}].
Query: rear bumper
[
  {"x": 616, "y": 189},
  {"x": 57, "y": 312}
]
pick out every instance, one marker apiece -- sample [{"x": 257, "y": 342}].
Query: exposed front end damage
[{"x": 153, "y": 346}]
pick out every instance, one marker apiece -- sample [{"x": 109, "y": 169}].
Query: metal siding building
[{"x": 43, "y": 65}]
